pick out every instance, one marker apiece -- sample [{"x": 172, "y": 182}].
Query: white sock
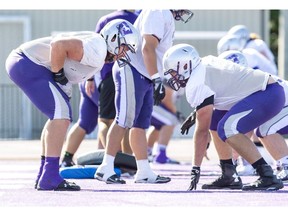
[
  {"x": 143, "y": 165},
  {"x": 144, "y": 169},
  {"x": 108, "y": 164},
  {"x": 108, "y": 159}
]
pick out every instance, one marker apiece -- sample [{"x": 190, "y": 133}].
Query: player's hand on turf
[
  {"x": 159, "y": 90},
  {"x": 188, "y": 123},
  {"x": 195, "y": 176}
]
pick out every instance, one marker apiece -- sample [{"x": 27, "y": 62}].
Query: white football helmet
[
  {"x": 178, "y": 62},
  {"x": 240, "y": 31},
  {"x": 183, "y": 15},
  {"x": 234, "y": 56},
  {"x": 229, "y": 42},
  {"x": 120, "y": 32}
]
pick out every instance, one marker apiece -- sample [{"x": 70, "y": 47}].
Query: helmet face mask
[
  {"x": 183, "y": 15},
  {"x": 177, "y": 80},
  {"x": 121, "y": 37},
  {"x": 121, "y": 51},
  {"x": 178, "y": 62}
]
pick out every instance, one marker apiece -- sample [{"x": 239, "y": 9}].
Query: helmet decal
[
  {"x": 117, "y": 33},
  {"x": 234, "y": 56},
  {"x": 124, "y": 29}
]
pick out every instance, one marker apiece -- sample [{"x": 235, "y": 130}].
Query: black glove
[
  {"x": 60, "y": 77},
  {"x": 195, "y": 176},
  {"x": 189, "y": 122},
  {"x": 159, "y": 91},
  {"x": 63, "y": 82}
]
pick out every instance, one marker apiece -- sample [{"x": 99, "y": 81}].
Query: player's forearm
[
  {"x": 149, "y": 54},
  {"x": 57, "y": 56},
  {"x": 200, "y": 139}
]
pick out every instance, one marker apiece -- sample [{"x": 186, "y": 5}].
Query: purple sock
[
  {"x": 40, "y": 170},
  {"x": 161, "y": 157},
  {"x": 50, "y": 177}
]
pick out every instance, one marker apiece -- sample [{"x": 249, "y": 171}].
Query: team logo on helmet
[
  {"x": 234, "y": 58},
  {"x": 125, "y": 29}
]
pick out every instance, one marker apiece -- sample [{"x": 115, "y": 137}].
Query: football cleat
[
  {"x": 159, "y": 180},
  {"x": 64, "y": 186},
  {"x": 114, "y": 179},
  {"x": 267, "y": 180}
]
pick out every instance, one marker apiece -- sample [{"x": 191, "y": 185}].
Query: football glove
[
  {"x": 159, "y": 91},
  {"x": 195, "y": 176},
  {"x": 60, "y": 77},
  {"x": 188, "y": 123},
  {"x": 63, "y": 82}
]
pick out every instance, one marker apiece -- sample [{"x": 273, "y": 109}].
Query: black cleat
[
  {"x": 114, "y": 179},
  {"x": 224, "y": 182},
  {"x": 158, "y": 180},
  {"x": 267, "y": 180},
  {"x": 264, "y": 183},
  {"x": 64, "y": 186},
  {"x": 228, "y": 180}
]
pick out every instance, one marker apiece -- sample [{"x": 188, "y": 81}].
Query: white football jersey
[
  {"x": 256, "y": 60},
  {"x": 160, "y": 23},
  {"x": 227, "y": 81},
  {"x": 261, "y": 47},
  {"x": 95, "y": 51}
]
